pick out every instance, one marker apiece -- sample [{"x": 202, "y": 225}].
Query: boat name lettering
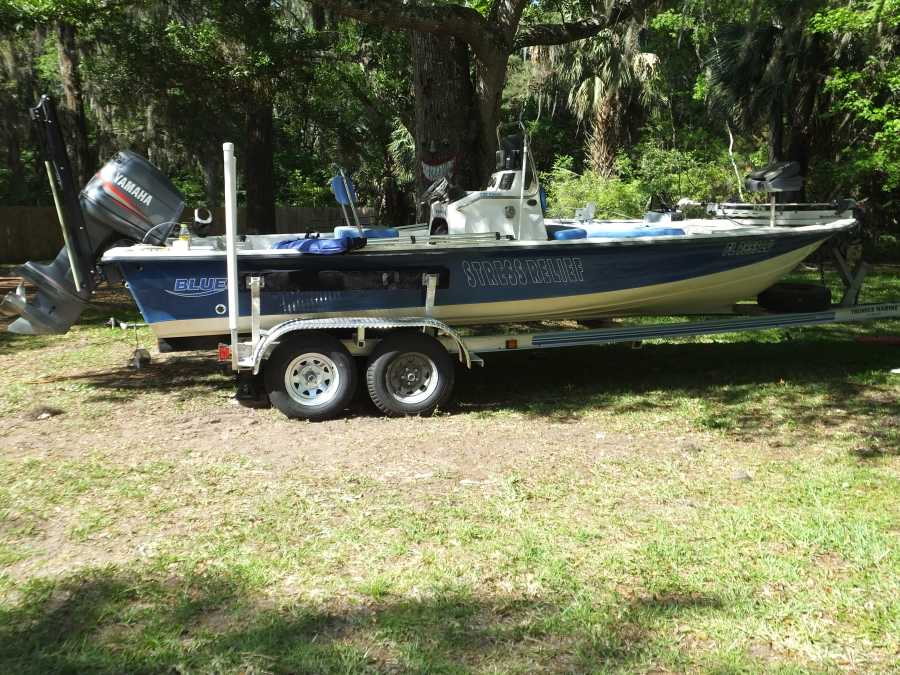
[
  {"x": 748, "y": 247},
  {"x": 132, "y": 188},
  {"x": 198, "y": 287},
  {"x": 519, "y": 272}
]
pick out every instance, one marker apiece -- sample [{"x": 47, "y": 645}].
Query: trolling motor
[{"x": 127, "y": 200}]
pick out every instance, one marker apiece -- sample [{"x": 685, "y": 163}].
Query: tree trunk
[
  {"x": 85, "y": 163},
  {"x": 210, "y": 165},
  {"x": 9, "y": 130},
  {"x": 259, "y": 174},
  {"x": 490, "y": 78},
  {"x": 445, "y": 122},
  {"x": 604, "y": 138},
  {"x": 776, "y": 131}
]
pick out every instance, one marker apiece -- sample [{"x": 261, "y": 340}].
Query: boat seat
[
  {"x": 367, "y": 232},
  {"x": 563, "y": 232}
]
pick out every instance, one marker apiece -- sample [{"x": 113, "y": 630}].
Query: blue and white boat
[
  {"x": 493, "y": 254},
  {"x": 496, "y": 258},
  {"x": 482, "y": 280}
]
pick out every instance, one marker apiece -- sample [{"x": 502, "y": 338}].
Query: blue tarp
[{"x": 321, "y": 246}]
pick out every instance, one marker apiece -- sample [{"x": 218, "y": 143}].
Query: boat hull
[{"x": 185, "y": 296}]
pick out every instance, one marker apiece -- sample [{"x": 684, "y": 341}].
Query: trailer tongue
[{"x": 128, "y": 200}]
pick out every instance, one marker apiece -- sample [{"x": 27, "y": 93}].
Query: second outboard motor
[{"x": 128, "y": 199}]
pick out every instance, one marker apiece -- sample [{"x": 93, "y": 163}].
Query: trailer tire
[
  {"x": 310, "y": 377},
  {"x": 409, "y": 373},
  {"x": 795, "y": 297}
]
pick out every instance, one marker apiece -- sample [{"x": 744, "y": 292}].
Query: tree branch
[
  {"x": 504, "y": 15},
  {"x": 561, "y": 33},
  {"x": 457, "y": 20}
]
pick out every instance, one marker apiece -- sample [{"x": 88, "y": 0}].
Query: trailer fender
[{"x": 271, "y": 338}]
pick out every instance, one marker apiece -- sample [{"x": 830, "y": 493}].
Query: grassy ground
[{"x": 727, "y": 505}]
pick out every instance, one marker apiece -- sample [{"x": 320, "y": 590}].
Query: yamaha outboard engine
[{"x": 127, "y": 200}]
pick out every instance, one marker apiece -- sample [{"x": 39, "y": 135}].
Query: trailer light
[
  {"x": 512, "y": 344},
  {"x": 224, "y": 353}
]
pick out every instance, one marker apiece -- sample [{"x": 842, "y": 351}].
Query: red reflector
[
  {"x": 224, "y": 353},
  {"x": 512, "y": 344}
]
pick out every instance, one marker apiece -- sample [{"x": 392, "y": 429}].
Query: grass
[{"x": 728, "y": 505}]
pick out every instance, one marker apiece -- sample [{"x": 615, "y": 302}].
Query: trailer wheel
[
  {"x": 409, "y": 374},
  {"x": 310, "y": 377}
]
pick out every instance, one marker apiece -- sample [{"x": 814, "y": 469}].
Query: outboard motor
[{"x": 127, "y": 200}]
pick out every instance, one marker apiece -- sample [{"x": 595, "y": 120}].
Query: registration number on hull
[{"x": 748, "y": 247}]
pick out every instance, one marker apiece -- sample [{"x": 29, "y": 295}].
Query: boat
[{"x": 492, "y": 255}]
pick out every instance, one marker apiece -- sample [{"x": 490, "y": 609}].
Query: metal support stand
[
  {"x": 852, "y": 280},
  {"x": 255, "y": 284},
  {"x": 430, "y": 282}
]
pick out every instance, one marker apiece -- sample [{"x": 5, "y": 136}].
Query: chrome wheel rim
[
  {"x": 411, "y": 378},
  {"x": 312, "y": 379}
]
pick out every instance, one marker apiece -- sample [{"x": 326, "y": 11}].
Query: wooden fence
[{"x": 32, "y": 232}]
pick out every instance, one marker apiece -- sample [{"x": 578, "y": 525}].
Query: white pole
[
  {"x": 231, "y": 247},
  {"x": 522, "y": 184},
  {"x": 737, "y": 174}
]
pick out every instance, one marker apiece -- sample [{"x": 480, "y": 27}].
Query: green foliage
[
  {"x": 653, "y": 171},
  {"x": 403, "y": 153},
  {"x": 680, "y": 173},
  {"x": 614, "y": 197},
  {"x": 305, "y": 190},
  {"x": 190, "y": 185},
  {"x": 865, "y": 94}
]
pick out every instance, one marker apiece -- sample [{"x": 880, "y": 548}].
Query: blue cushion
[
  {"x": 368, "y": 232},
  {"x": 563, "y": 233},
  {"x": 636, "y": 232}
]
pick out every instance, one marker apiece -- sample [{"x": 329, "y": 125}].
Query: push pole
[{"x": 231, "y": 262}]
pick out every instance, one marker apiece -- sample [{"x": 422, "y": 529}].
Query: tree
[
  {"x": 73, "y": 100},
  {"x": 444, "y": 134},
  {"x": 67, "y": 17},
  {"x": 492, "y": 37},
  {"x": 210, "y": 70},
  {"x": 609, "y": 82},
  {"x": 864, "y": 83},
  {"x": 769, "y": 71}
]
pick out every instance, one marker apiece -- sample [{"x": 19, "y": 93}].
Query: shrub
[{"x": 614, "y": 197}]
